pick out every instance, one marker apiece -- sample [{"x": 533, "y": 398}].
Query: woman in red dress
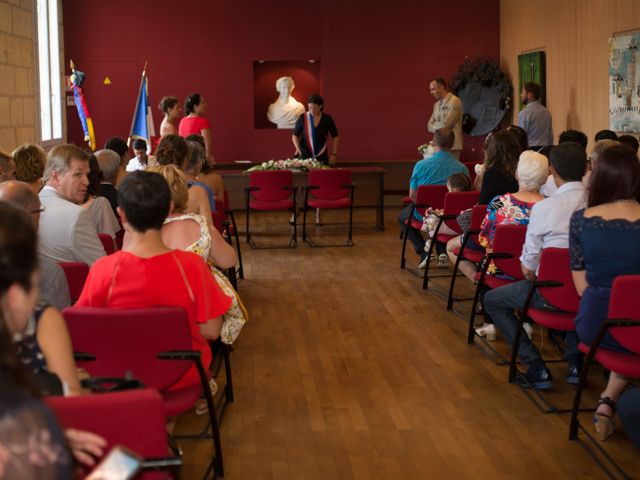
[
  {"x": 195, "y": 107},
  {"x": 147, "y": 273}
]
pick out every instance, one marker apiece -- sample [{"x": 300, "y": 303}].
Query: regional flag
[{"x": 142, "y": 124}]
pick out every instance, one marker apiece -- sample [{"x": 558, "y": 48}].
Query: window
[{"x": 49, "y": 70}]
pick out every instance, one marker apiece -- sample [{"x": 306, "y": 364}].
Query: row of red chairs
[{"x": 555, "y": 283}]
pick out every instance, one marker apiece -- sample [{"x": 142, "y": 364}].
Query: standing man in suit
[
  {"x": 447, "y": 113},
  {"x": 67, "y": 233}
]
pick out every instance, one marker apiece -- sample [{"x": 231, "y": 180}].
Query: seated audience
[
  {"x": 173, "y": 150},
  {"x": 53, "y": 289},
  {"x": 190, "y": 231},
  {"x": 549, "y": 188},
  {"x": 7, "y": 167},
  {"x": 630, "y": 141},
  {"x": 548, "y": 227},
  {"x": 147, "y": 273},
  {"x": 629, "y": 411},
  {"x": 140, "y": 160},
  {"x": 574, "y": 136},
  {"x": 605, "y": 135},
  {"x": 508, "y": 209},
  {"x": 30, "y": 161},
  {"x": 521, "y": 135},
  {"x": 34, "y": 446},
  {"x": 612, "y": 217},
  {"x": 119, "y": 146},
  {"x": 207, "y": 175},
  {"x": 109, "y": 163},
  {"x": 67, "y": 232},
  {"x": 192, "y": 169},
  {"x": 99, "y": 207},
  {"x": 458, "y": 182},
  {"x": 434, "y": 170},
  {"x": 501, "y": 153}
]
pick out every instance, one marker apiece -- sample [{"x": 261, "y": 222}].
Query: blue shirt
[
  {"x": 212, "y": 198},
  {"x": 435, "y": 170},
  {"x": 535, "y": 119}
]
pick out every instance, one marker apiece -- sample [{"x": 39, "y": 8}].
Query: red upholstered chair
[
  {"x": 555, "y": 284},
  {"x": 76, "y": 273},
  {"x": 152, "y": 345},
  {"x": 427, "y": 196},
  {"x": 328, "y": 189},
  {"x": 134, "y": 419},
  {"x": 271, "y": 191},
  {"x": 454, "y": 204},
  {"x": 107, "y": 243},
  {"x": 463, "y": 253},
  {"x": 507, "y": 248},
  {"x": 624, "y": 325},
  {"x": 471, "y": 167}
]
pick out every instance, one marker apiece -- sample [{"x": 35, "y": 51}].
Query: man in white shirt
[
  {"x": 67, "y": 233},
  {"x": 548, "y": 227},
  {"x": 447, "y": 112}
]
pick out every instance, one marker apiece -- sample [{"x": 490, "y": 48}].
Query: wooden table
[{"x": 369, "y": 191}]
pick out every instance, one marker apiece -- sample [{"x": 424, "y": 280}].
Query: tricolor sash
[{"x": 310, "y": 129}]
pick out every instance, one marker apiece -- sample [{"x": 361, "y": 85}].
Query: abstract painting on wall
[
  {"x": 624, "y": 83},
  {"x": 531, "y": 68}
]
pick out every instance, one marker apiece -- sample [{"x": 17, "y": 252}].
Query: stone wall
[{"x": 18, "y": 74}]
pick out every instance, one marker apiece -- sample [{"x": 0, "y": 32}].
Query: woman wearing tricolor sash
[{"x": 312, "y": 131}]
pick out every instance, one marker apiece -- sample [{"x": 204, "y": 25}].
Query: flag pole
[{"x": 133, "y": 120}]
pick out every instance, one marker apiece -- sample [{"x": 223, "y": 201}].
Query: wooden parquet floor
[{"x": 349, "y": 370}]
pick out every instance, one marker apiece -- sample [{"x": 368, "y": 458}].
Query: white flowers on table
[{"x": 303, "y": 164}]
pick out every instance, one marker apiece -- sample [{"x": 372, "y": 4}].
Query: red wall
[{"x": 376, "y": 61}]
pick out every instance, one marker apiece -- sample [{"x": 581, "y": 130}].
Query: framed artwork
[
  {"x": 624, "y": 83},
  {"x": 531, "y": 68}
]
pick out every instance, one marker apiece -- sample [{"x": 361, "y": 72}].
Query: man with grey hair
[
  {"x": 67, "y": 233},
  {"x": 109, "y": 162},
  {"x": 54, "y": 289}
]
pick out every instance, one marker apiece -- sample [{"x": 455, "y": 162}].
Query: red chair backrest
[
  {"x": 510, "y": 239},
  {"x": 471, "y": 167},
  {"x": 134, "y": 419},
  {"x": 478, "y": 212},
  {"x": 271, "y": 184},
  {"x": 554, "y": 265},
  {"x": 107, "y": 243},
  {"x": 455, "y": 203},
  {"x": 126, "y": 342},
  {"x": 623, "y": 304},
  {"x": 432, "y": 195},
  {"x": 76, "y": 273},
  {"x": 331, "y": 183}
]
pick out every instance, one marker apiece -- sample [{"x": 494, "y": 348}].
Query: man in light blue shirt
[
  {"x": 434, "y": 170},
  {"x": 548, "y": 227},
  {"x": 535, "y": 119}
]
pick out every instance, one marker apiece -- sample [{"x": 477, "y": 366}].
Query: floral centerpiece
[
  {"x": 302, "y": 164},
  {"x": 427, "y": 149}
]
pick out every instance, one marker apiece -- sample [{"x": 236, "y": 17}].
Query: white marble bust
[{"x": 285, "y": 110}]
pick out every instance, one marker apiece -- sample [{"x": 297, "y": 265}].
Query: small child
[{"x": 458, "y": 182}]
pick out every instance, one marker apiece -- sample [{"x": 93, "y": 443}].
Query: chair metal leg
[
  {"x": 351, "y": 224},
  {"x": 453, "y": 282},
  {"x": 247, "y": 228},
  {"x": 425, "y": 279},
  {"x": 237, "y": 238}
]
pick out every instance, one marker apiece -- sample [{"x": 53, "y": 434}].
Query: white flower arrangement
[
  {"x": 302, "y": 164},
  {"x": 427, "y": 149}
]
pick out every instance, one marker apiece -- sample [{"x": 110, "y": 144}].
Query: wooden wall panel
[{"x": 574, "y": 34}]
